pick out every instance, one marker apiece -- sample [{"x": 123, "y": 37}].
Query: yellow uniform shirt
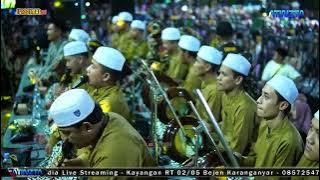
[
  {"x": 115, "y": 40},
  {"x": 111, "y": 99},
  {"x": 278, "y": 147},
  {"x": 192, "y": 82},
  {"x": 173, "y": 61},
  {"x": 177, "y": 69},
  {"x": 134, "y": 49},
  {"x": 238, "y": 120},
  {"x": 120, "y": 145},
  {"x": 304, "y": 162},
  {"x": 213, "y": 97}
]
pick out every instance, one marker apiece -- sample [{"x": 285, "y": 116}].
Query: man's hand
[
  {"x": 76, "y": 162},
  {"x": 48, "y": 149}
]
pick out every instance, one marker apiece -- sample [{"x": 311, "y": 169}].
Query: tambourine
[
  {"x": 179, "y": 148},
  {"x": 179, "y": 98}
]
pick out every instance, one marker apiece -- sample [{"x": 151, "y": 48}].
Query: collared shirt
[
  {"x": 193, "y": 81},
  {"x": 238, "y": 115},
  {"x": 134, "y": 48},
  {"x": 273, "y": 68},
  {"x": 278, "y": 147},
  {"x": 120, "y": 145},
  {"x": 213, "y": 97},
  {"x": 173, "y": 61},
  {"x": 111, "y": 99},
  {"x": 304, "y": 162}
]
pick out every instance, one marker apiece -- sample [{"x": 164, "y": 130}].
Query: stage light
[
  {"x": 184, "y": 8},
  {"x": 57, "y": 4},
  {"x": 87, "y": 4},
  {"x": 76, "y": 4}
]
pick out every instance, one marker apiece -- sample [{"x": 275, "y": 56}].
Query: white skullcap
[
  {"x": 237, "y": 63},
  {"x": 170, "y": 34},
  {"x": 71, "y": 107},
  {"x": 126, "y": 16},
  {"x": 137, "y": 24},
  {"x": 210, "y": 54},
  {"x": 189, "y": 43},
  {"x": 316, "y": 115},
  {"x": 74, "y": 48},
  {"x": 79, "y": 35},
  {"x": 115, "y": 19},
  {"x": 110, "y": 58},
  {"x": 285, "y": 87}
]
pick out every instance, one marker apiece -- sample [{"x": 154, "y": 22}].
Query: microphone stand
[
  {"x": 217, "y": 128},
  {"x": 203, "y": 127}
]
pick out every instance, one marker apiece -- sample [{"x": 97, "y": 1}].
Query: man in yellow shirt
[
  {"x": 124, "y": 21},
  {"x": 104, "y": 74},
  {"x": 76, "y": 56},
  {"x": 137, "y": 46},
  {"x": 238, "y": 108},
  {"x": 189, "y": 46},
  {"x": 170, "y": 37},
  {"x": 310, "y": 157},
  {"x": 206, "y": 67},
  {"x": 81, "y": 122},
  {"x": 279, "y": 143}
]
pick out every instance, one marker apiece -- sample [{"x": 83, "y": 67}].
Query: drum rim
[
  {"x": 170, "y": 134},
  {"x": 172, "y": 92}
]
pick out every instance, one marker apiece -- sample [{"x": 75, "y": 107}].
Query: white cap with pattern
[
  {"x": 285, "y": 87},
  {"x": 110, "y": 58},
  {"x": 210, "y": 54},
  {"x": 237, "y": 63},
  {"x": 79, "y": 35},
  {"x": 189, "y": 43},
  {"x": 170, "y": 34},
  {"x": 71, "y": 107},
  {"x": 74, "y": 48},
  {"x": 137, "y": 24},
  {"x": 126, "y": 16},
  {"x": 115, "y": 19}
]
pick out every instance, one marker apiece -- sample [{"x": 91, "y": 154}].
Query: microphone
[{"x": 83, "y": 79}]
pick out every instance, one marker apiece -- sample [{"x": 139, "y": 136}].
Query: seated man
[
  {"x": 310, "y": 158},
  {"x": 279, "y": 143},
  {"x": 81, "y": 122}
]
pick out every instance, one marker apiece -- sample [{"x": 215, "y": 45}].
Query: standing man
[
  {"x": 81, "y": 122},
  {"x": 224, "y": 36},
  {"x": 279, "y": 143},
  {"x": 277, "y": 66},
  {"x": 238, "y": 108},
  {"x": 104, "y": 74}
]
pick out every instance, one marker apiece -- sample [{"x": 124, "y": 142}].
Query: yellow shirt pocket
[{"x": 105, "y": 106}]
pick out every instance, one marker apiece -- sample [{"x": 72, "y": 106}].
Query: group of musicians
[{"x": 96, "y": 118}]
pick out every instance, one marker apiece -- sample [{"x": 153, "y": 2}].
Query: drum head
[
  {"x": 179, "y": 98},
  {"x": 179, "y": 148}
]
